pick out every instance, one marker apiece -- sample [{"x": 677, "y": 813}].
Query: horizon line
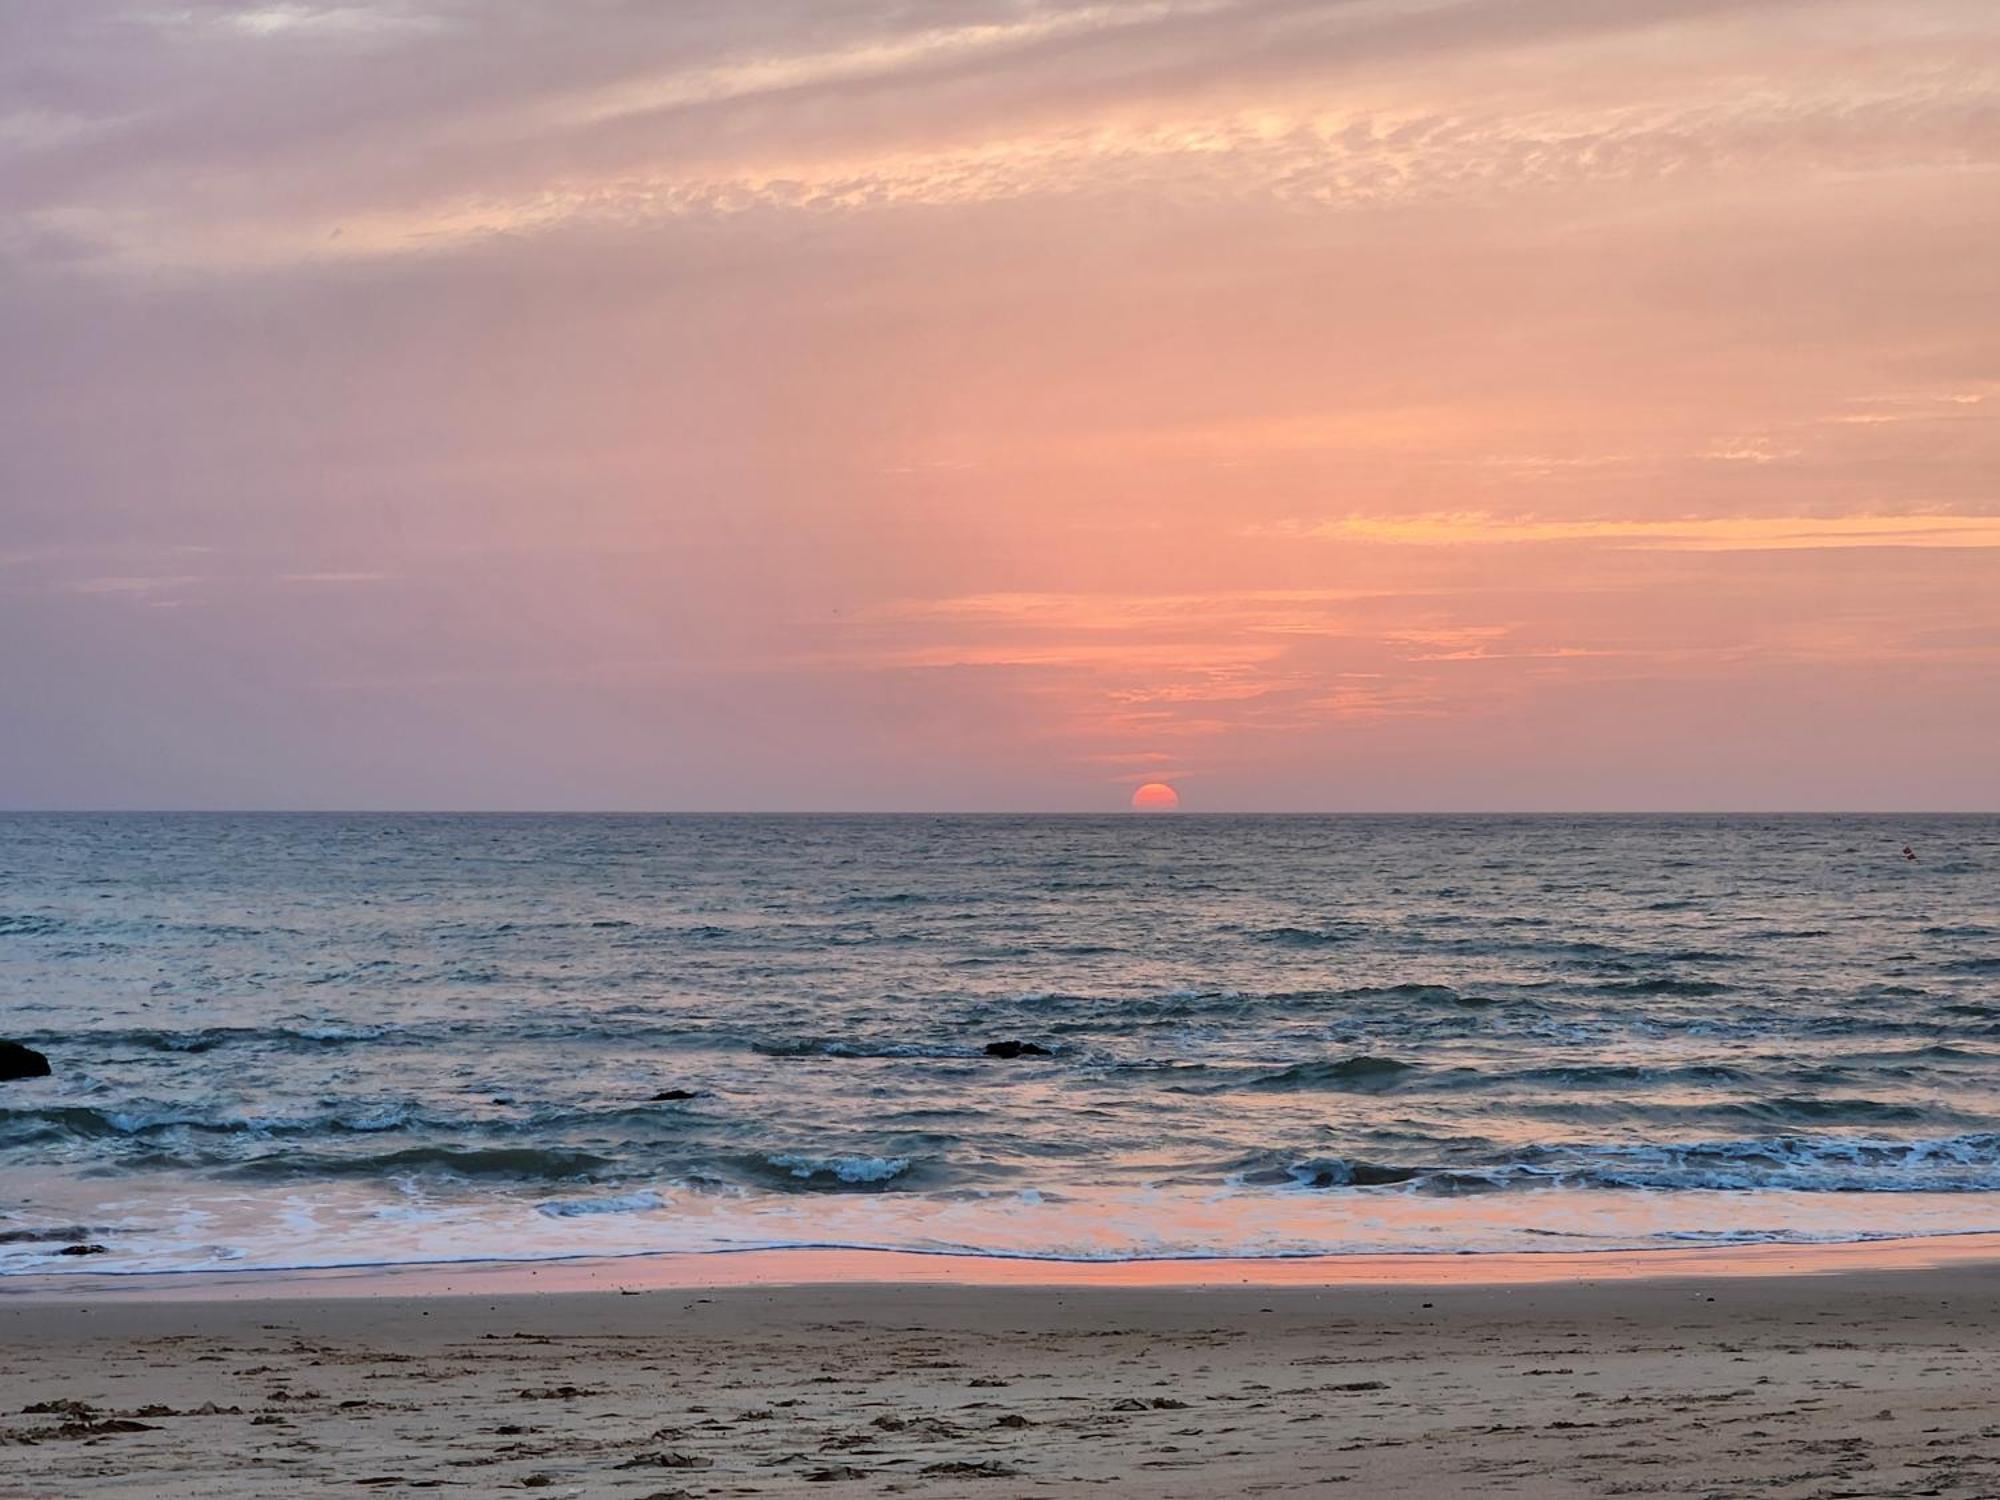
[{"x": 1109, "y": 812}]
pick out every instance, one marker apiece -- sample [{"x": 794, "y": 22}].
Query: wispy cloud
[
  {"x": 129, "y": 585},
  {"x": 1691, "y": 534}
]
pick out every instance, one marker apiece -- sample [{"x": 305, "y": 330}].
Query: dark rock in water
[
  {"x": 17, "y": 1061},
  {"x": 1017, "y": 1049},
  {"x": 83, "y": 1411},
  {"x": 66, "y": 1232},
  {"x": 83, "y": 1250},
  {"x": 670, "y": 1096}
]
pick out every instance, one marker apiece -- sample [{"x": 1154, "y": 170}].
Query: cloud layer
[{"x": 756, "y": 403}]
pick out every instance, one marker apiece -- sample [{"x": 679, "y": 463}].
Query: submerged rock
[
  {"x": 65, "y": 1234},
  {"x": 1017, "y": 1049},
  {"x": 17, "y": 1061}
]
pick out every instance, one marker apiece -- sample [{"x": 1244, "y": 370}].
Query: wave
[
  {"x": 1366, "y": 1073},
  {"x": 1329, "y": 1172},
  {"x": 520, "y": 1163},
  {"x": 1360, "y": 1074},
  {"x": 1808, "y": 1108},
  {"x": 1309, "y": 937},
  {"x": 207, "y": 1038},
  {"x": 56, "y": 1122},
  {"x": 22, "y": 924},
  {"x": 838, "y": 1171},
  {"x": 865, "y": 1050},
  {"x": 1669, "y": 984},
  {"x": 1407, "y": 1002},
  {"x": 1601, "y": 1075},
  {"x": 1824, "y": 1164},
  {"x": 623, "y": 1203},
  {"x": 1966, "y": 1163}
]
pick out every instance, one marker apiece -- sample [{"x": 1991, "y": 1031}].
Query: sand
[{"x": 1870, "y": 1382}]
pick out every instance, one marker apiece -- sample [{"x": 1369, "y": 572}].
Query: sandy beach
[{"x": 1873, "y": 1381}]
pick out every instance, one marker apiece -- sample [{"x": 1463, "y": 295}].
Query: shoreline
[{"x": 846, "y": 1267}]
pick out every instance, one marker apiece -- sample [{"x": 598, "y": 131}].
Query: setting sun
[{"x": 1155, "y": 796}]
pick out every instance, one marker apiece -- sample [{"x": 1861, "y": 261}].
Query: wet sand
[{"x": 1764, "y": 1377}]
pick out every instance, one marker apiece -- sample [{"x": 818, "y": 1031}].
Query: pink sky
[{"x": 1315, "y": 404}]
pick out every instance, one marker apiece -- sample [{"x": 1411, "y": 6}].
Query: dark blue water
[{"x": 288, "y": 1040}]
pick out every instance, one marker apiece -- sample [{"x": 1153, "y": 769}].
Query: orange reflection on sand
[{"x": 773, "y": 1268}]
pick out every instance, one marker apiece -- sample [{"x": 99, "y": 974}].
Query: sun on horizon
[{"x": 1156, "y": 796}]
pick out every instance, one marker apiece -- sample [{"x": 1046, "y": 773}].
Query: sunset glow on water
[{"x": 288, "y": 1041}]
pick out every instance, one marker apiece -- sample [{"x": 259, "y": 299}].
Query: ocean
[{"x": 318, "y": 1040}]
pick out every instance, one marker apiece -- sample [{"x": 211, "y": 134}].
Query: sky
[{"x": 999, "y": 404}]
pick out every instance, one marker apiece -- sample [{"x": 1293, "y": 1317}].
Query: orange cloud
[{"x": 1694, "y": 534}]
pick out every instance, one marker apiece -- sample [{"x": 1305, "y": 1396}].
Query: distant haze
[{"x": 762, "y": 404}]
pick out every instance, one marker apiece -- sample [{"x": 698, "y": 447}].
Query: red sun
[{"x": 1155, "y": 796}]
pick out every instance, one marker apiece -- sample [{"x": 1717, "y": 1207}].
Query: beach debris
[
  {"x": 668, "y": 1458},
  {"x": 1017, "y": 1049},
  {"x": 556, "y": 1393},
  {"x": 1012, "y": 1419},
  {"x": 990, "y": 1468},
  {"x": 837, "y": 1472},
  {"x": 17, "y": 1061},
  {"x": 106, "y": 1424},
  {"x": 846, "y": 1440},
  {"x": 1355, "y": 1387},
  {"x": 673, "y": 1096},
  {"x": 83, "y": 1249},
  {"x": 1128, "y": 1403}
]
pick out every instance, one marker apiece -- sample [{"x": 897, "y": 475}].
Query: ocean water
[{"x": 335, "y": 1040}]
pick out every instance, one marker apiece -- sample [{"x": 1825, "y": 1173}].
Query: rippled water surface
[{"x": 317, "y": 1040}]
